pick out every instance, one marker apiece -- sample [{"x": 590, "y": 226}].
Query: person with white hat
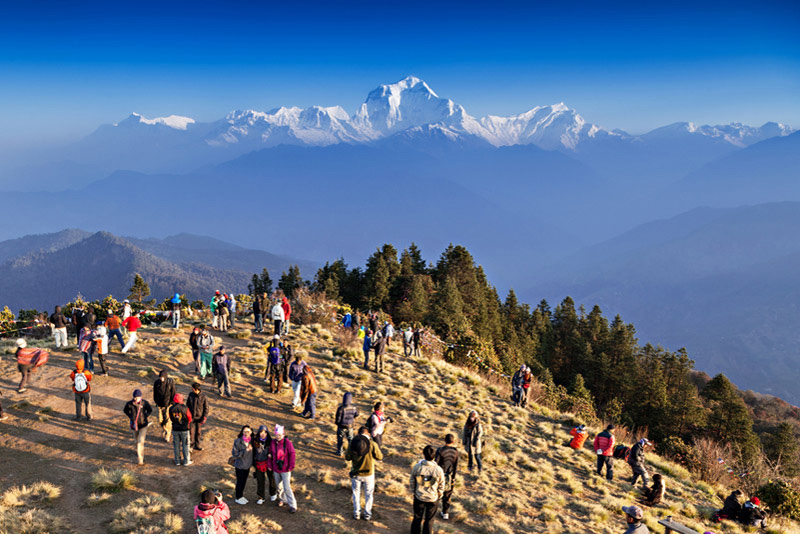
[
  {"x": 281, "y": 461},
  {"x": 25, "y": 363},
  {"x": 634, "y": 515}
]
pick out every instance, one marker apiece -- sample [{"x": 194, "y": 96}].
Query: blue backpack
[{"x": 274, "y": 355}]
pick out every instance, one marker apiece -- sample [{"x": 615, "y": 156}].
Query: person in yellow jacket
[{"x": 427, "y": 485}]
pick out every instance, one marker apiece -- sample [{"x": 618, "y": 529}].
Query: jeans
[
  {"x": 368, "y": 486},
  {"x": 296, "y": 388},
  {"x": 278, "y": 327},
  {"x": 424, "y": 514},
  {"x": 311, "y": 406},
  {"x": 25, "y": 371},
  {"x": 241, "y": 482},
  {"x": 446, "y": 500},
  {"x": 258, "y": 322},
  {"x": 222, "y": 380},
  {"x": 196, "y": 433},
  {"x": 477, "y": 457},
  {"x": 284, "y": 483},
  {"x": 115, "y": 333},
  {"x": 262, "y": 478},
  {"x": 176, "y": 319},
  {"x": 88, "y": 361},
  {"x": 80, "y": 400},
  {"x": 60, "y": 335},
  {"x": 607, "y": 461},
  {"x": 343, "y": 432},
  {"x": 196, "y": 357},
  {"x": 140, "y": 436},
  {"x": 366, "y": 358},
  {"x": 180, "y": 443},
  {"x": 102, "y": 359},
  {"x": 131, "y": 342}
]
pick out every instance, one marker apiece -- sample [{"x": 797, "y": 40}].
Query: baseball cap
[{"x": 633, "y": 511}]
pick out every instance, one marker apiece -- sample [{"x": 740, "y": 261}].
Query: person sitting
[
  {"x": 579, "y": 435},
  {"x": 730, "y": 508},
  {"x": 210, "y": 515},
  {"x": 752, "y": 515},
  {"x": 654, "y": 494}
]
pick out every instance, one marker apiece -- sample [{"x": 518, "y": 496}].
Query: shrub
[
  {"x": 781, "y": 498},
  {"x": 113, "y": 480},
  {"x": 15, "y": 521},
  {"x": 249, "y": 523},
  {"x": 241, "y": 334},
  {"x": 145, "y": 515},
  {"x": 27, "y": 496}
]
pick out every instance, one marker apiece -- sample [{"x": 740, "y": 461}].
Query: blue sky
[{"x": 66, "y": 68}]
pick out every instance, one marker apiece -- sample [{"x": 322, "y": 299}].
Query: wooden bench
[{"x": 671, "y": 526}]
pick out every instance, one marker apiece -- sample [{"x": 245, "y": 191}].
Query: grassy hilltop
[{"x": 52, "y": 480}]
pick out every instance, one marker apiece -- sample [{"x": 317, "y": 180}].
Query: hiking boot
[
  {"x": 198, "y": 448},
  {"x": 241, "y": 500}
]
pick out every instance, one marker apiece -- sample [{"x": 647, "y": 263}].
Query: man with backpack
[
  {"x": 197, "y": 405},
  {"x": 604, "y": 447},
  {"x": 82, "y": 390},
  {"x": 175, "y": 306},
  {"x": 346, "y": 415},
  {"x": 427, "y": 486},
  {"x": 447, "y": 458},
  {"x": 78, "y": 320},
  {"x": 408, "y": 340},
  {"x": 376, "y": 424},
  {"x": 636, "y": 461},
  {"x": 163, "y": 393},
  {"x": 180, "y": 417},
  {"x": 363, "y": 453},
  {"x": 274, "y": 361},
  {"x": 516, "y": 385},
  {"x": 308, "y": 394}
]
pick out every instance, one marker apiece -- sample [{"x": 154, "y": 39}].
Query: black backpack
[{"x": 621, "y": 451}]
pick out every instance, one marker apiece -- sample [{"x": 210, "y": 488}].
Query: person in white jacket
[
  {"x": 101, "y": 346},
  {"x": 278, "y": 316}
]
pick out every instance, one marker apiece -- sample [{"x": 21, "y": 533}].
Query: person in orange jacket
[
  {"x": 82, "y": 389},
  {"x": 28, "y": 360},
  {"x": 579, "y": 436},
  {"x": 308, "y": 393}
]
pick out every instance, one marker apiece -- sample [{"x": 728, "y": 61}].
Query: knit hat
[
  {"x": 21, "y": 343},
  {"x": 279, "y": 430},
  {"x": 137, "y": 393},
  {"x": 633, "y": 511},
  {"x": 610, "y": 427},
  {"x": 177, "y": 399},
  {"x": 79, "y": 365},
  {"x": 756, "y": 501}
]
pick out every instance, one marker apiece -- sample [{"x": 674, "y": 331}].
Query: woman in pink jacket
[
  {"x": 210, "y": 515},
  {"x": 281, "y": 462}
]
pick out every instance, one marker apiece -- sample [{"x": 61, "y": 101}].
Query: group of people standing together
[{"x": 279, "y": 313}]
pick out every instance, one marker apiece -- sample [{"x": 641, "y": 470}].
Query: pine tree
[
  {"x": 139, "y": 290},
  {"x": 728, "y": 418},
  {"x": 290, "y": 281},
  {"x": 260, "y": 284},
  {"x": 447, "y": 310},
  {"x": 781, "y": 447},
  {"x": 417, "y": 263}
]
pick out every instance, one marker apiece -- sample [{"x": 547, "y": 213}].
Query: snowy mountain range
[{"x": 412, "y": 104}]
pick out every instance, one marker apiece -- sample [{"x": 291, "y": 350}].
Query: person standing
[
  {"x": 90, "y": 318},
  {"x": 232, "y": 309},
  {"x": 274, "y": 361},
  {"x": 281, "y": 461},
  {"x": 363, "y": 452},
  {"x": 287, "y": 315},
  {"x": 78, "y": 320},
  {"x": 427, "y": 486},
  {"x": 242, "y": 456},
  {"x": 82, "y": 389},
  {"x": 113, "y": 325},
  {"x": 388, "y": 332},
  {"x": 132, "y": 324},
  {"x": 59, "y": 328},
  {"x": 193, "y": 339},
  {"x": 198, "y": 406},
  {"x": 376, "y": 424},
  {"x": 447, "y": 458},
  {"x": 181, "y": 418},
  {"x": 637, "y": 462},
  {"x": 516, "y": 385},
  {"x": 25, "y": 363},
  {"x": 604, "y": 447},
  {"x": 163, "y": 393},
  {"x": 126, "y": 309},
  {"x": 258, "y": 318},
  {"x": 138, "y": 410},
  {"x": 418, "y": 341},
  {"x": 223, "y": 312},
  {"x": 408, "y": 341},
  {"x": 366, "y": 348},
  {"x": 527, "y": 379},
  {"x": 380, "y": 350},
  {"x": 472, "y": 439},
  {"x": 308, "y": 394},
  {"x": 205, "y": 344},
  {"x": 262, "y": 473},
  {"x": 214, "y": 310},
  {"x": 212, "y": 512},
  {"x": 296, "y": 370},
  {"x": 176, "y": 311},
  {"x": 85, "y": 342},
  {"x": 222, "y": 366},
  {"x": 346, "y": 415},
  {"x": 100, "y": 347},
  {"x": 278, "y": 316},
  {"x": 287, "y": 353}
]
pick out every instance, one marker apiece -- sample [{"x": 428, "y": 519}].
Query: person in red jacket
[
  {"x": 287, "y": 313},
  {"x": 604, "y": 447},
  {"x": 579, "y": 435},
  {"x": 133, "y": 324},
  {"x": 210, "y": 515}
]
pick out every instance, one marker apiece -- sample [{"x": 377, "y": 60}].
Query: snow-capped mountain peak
[{"x": 175, "y": 122}]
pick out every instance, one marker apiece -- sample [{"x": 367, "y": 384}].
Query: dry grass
[
  {"x": 32, "y": 495},
  {"x": 96, "y": 499},
  {"x": 35, "y": 521},
  {"x": 241, "y": 334},
  {"x": 146, "y": 515},
  {"x": 113, "y": 480},
  {"x": 251, "y": 524}
]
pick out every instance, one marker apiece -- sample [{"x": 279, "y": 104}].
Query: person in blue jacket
[
  {"x": 347, "y": 321},
  {"x": 366, "y": 348},
  {"x": 176, "y": 311}
]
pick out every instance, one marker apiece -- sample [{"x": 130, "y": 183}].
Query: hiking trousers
[
  {"x": 284, "y": 483},
  {"x": 278, "y": 325},
  {"x": 164, "y": 421},
  {"x": 196, "y": 434},
  {"x": 131, "y": 342},
  {"x": 607, "y": 461},
  {"x": 343, "y": 432},
  {"x": 367, "y": 485},
  {"x": 639, "y": 470},
  {"x": 446, "y": 500},
  {"x": 60, "y": 336},
  {"x": 424, "y": 514},
  {"x": 310, "y": 408},
  {"x": 82, "y": 399},
  {"x": 262, "y": 478},
  {"x": 140, "y": 436},
  {"x": 25, "y": 370}
]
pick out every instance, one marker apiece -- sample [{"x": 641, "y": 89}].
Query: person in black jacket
[
  {"x": 198, "y": 406},
  {"x": 195, "y": 348},
  {"x": 90, "y": 318},
  {"x": 379, "y": 346},
  {"x": 731, "y": 507},
  {"x": 346, "y": 415},
  {"x": 752, "y": 515},
  {"x": 77, "y": 320},
  {"x": 59, "y": 327},
  {"x": 163, "y": 393},
  {"x": 636, "y": 461},
  {"x": 138, "y": 410},
  {"x": 258, "y": 318},
  {"x": 181, "y": 418},
  {"x": 447, "y": 458}
]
